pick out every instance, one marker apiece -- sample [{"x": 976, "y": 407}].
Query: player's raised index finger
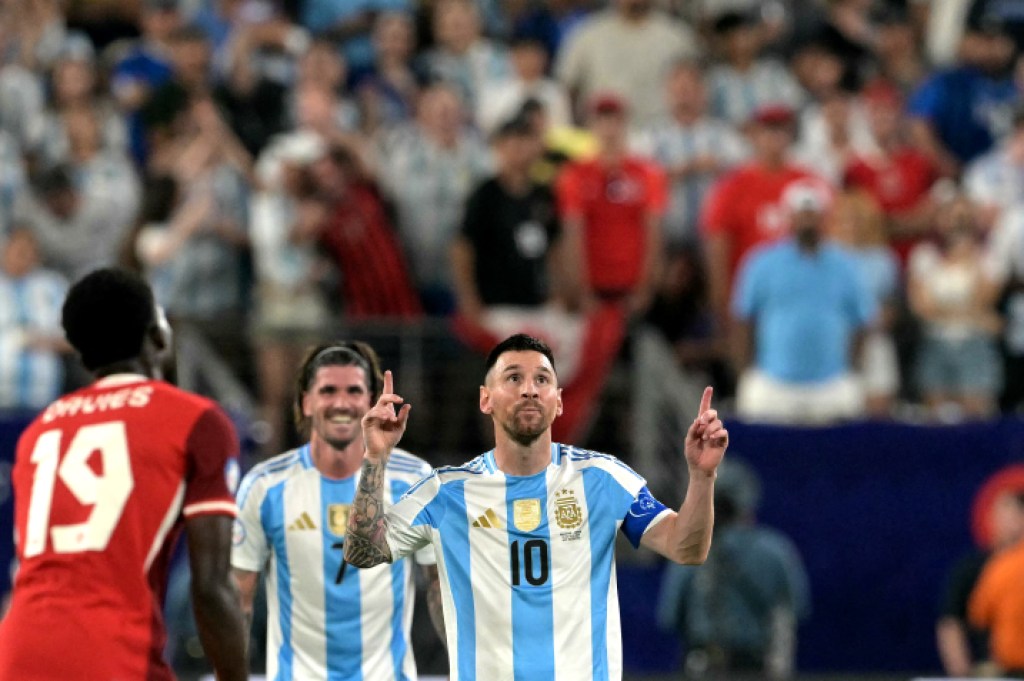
[
  {"x": 705, "y": 400},
  {"x": 389, "y": 383}
]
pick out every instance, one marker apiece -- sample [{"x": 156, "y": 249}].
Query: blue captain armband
[{"x": 642, "y": 512}]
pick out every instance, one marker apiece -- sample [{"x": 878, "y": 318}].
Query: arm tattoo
[{"x": 366, "y": 541}]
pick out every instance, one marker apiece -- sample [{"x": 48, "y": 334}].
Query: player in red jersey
[{"x": 104, "y": 480}]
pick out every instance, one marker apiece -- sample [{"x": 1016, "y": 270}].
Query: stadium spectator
[
  {"x": 204, "y": 248},
  {"x": 387, "y": 90},
  {"x": 952, "y": 294},
  {"x": 336, "y": 384},
  {"x": 508, "y": 250},
  {"x": 78, "y": 229},
  {"x": 290, "y": 312},
  {"x": 1005, "y": 262},
  {"x": 963, "y": 647},
  {"x": 897, "y": 175},
  {"x": 612, "y": 208},
  {"x": 522, "y": 397},
  {"x": 429, "y": 169},
  {"x": 625, "y": 49},
  {"x": 745, "y": 81},
  {"x": 145, "y": 66},
  {"x": 801, "y": 309},
  {"x": 857, "y": 222},
  {"x": 12, "y": 180},
  {"x": 349, "y": 24},
  {"x": 848, "y": 32},
  {"x": 88, "y": 594},
  {"x": 995, "y": 180},
  {"x": 503, "y": 99},
  {"x": 900, "y": 59},
  {"x": 22, "y": 89},
  {"x": 742, "y": 209},
  {"x": 321, "y": 68},
  {"x": 31, "y": 342},
  {"x": 997, "y": 601},
  {"x": 461, "y": 55},
  {"x": 959, "y": 112},
  {"x": 833, "y": 131},
  {"x": 357, "y": 234},
  {"x": 739, "y": 612},
  {"x": 75, "y": 89},
  {"x": 693, "y": 147}
]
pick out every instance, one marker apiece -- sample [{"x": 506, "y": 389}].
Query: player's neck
[
  {"x": 514, "y": 458},
  {"x": 333, "y": 463},
  {"x": 129, "y": 366}
]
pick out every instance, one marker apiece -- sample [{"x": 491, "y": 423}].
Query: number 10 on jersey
[{"x": 529, "y": 561}]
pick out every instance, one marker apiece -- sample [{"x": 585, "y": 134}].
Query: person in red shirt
[
  {"x": 743, "y": 209},
  {"x": 899, "y": 177},
  {"x": 611, "y": 208},
  {"x": 104, "y": 480}
]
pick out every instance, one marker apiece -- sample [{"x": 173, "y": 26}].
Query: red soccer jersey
[
  {"x": 103, "y": 480},
  {"x": 744, "y": 205},
  {"x": 614, "y": 204}
]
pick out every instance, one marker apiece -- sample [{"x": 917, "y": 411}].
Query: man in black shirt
[{"x": 504, "y": 253}]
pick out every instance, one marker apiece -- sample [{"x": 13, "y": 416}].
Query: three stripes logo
[
  {"x": 489, "y": 519},
  {"x": 303, "y": 522}
]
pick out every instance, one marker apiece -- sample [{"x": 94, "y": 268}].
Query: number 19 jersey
[
  {"x": 527, "y": 564},
  {"x": 103, "y": 480}
]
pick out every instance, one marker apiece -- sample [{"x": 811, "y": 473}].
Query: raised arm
[
  {"x": 366, "y": 538},
  {"x": 214, "y": 596},
  {"x": 685, "y": 537}
]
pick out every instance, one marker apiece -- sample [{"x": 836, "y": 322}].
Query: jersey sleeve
[
  {"x": 568, "y": 193},
  {"x": 644, "y": 513},
  {"x": 657, "y": 185},
  {"x": 412, "y": 518},
  {"x": 249, "y": 549},
  {"x": 212, "y": 472},
  {"x": 715, "y": 216}
]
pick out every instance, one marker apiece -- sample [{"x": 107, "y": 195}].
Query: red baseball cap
[
  {"x": 773, "y": 114},
  {"x": 608, "y": 104}
]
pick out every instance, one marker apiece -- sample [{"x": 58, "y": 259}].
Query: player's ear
[
  {"x": 558, "y": 404},
  {"x": 485, "y": 400},
  {"x": 160, "y": 333},
  {"x": 307, "y": 403}
]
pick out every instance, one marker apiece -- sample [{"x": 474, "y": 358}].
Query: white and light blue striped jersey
[
  {"x": 30, "y": 377},
  {"x": 325, "y": 620},
  {"x": 527, "y": 564}
]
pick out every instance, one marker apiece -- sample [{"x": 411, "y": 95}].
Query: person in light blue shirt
[
  {"x": 800, "y": 305},
  {"x": 524, "y": 534},
  {"x": 326, "y": 620}
]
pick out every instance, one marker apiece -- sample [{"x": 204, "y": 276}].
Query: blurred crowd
[{"x": 817, "y": 203}]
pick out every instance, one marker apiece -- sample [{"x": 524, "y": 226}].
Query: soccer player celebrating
[
  {"x": 525, "y": 533},
  {"x": 326, "y": 622},
  {"x": 104, "y": 479}
]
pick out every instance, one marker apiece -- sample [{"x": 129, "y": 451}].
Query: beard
[{"x": 524, "y": 432}]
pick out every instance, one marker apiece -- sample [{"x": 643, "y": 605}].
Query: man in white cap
[{"x": 800, "y": 308}]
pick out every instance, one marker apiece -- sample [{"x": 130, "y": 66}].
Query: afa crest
[
  {"x": 337, "y": 518},
  {"x": 568, "y": 514}
]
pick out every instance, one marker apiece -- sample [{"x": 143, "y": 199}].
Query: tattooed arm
[
  {"x": 366, "y": 539},
  {"x": 434, "y": 604}
]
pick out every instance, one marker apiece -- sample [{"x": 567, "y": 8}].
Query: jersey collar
[{"x": 120, "y": 379}]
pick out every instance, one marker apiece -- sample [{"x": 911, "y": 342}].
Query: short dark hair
[
  {"x": 106, "y": 316},
  {"x": 519, "y": 342},
  {"x": 336, "y": 353}
]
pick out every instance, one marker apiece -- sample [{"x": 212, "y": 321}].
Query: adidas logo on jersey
[
  {"x": 489, "y": 519},
  {"x": 303, "y": 522}
]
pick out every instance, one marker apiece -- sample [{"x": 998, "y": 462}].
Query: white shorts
[{"x": 762, "y": 398}]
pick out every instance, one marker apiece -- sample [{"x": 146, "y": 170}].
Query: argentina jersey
[
  {"x": 326, "y": 620},
  {"x": 527, "y": 564}
]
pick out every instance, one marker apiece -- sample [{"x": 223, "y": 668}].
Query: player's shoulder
[
  {"x": 439, "y": 478},
  {"x": 583, "y": 459},
  {"x": 403, "y": 464},
  {"x": 270, "y": 473}
]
